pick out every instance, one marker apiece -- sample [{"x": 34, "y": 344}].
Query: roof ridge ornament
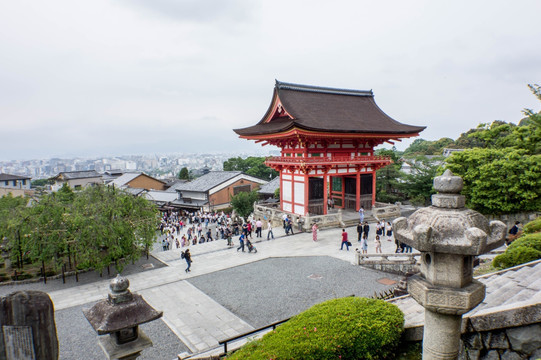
[{"x": 321, "y": 89}]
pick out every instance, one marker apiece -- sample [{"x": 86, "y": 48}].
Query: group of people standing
[{"x": 384, "y": 231}]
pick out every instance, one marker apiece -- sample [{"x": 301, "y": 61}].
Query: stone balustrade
[
  {"x": 396, "y": 263},
  {"x": 272, "y": 212}
]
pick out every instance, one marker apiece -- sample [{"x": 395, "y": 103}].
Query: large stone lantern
[
  {"x": 449, "y": 236},
  {"x": 119, "y": 316}
]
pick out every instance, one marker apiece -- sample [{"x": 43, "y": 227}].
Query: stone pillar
[
  {"x": 449, "y": 236},
  {"x": 439, "y": 335},
  {"x": 28, "y": 328}
]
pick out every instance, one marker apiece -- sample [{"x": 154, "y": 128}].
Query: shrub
[
  {"x": 516, "y": 256},
  {"x": 347, "y": 328},
  {"x": 21, "y": 276},
  {"x": 529, "y": 240},
  {"x": 533, "y": 226}
]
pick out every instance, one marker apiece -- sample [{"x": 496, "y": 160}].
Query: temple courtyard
[{"x": 227, "y": 292}]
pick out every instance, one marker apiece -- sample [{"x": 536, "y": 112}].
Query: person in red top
[{"x": 344, "y": 240}]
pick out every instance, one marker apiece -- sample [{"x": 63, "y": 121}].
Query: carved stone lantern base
[
  {"x": 444, "y": 300},
  {"x": 127, "y": 351}
]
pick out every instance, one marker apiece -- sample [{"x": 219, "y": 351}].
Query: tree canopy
[
  {"x": 500, "y": 166},
  {"x": 252, "y": 165},
  {"x": 505, "y": 175},
  {"x": 243, "y": 203},
  {"x": 99, "y": 224},
  {"x": 184, "y": 174}
]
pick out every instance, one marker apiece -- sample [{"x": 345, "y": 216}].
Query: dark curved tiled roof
[{"x": 329, "y": 110}]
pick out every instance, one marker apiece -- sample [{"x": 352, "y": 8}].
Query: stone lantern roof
[
  {"x": 447, "y": 226},
  {"x": 121, "y": 310}
]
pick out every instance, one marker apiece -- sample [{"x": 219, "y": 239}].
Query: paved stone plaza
[{"x": 227, "y": 292}]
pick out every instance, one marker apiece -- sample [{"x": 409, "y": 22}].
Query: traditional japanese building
[{"x": 327, "y": 138}]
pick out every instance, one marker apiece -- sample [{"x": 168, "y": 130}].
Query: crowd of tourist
[{"x": 183, "y": 229}]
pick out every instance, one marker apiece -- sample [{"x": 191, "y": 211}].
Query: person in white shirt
[{"x": 269, "y": 230}]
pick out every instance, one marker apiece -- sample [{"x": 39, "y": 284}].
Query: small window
[{"x": 242, "y": 188}]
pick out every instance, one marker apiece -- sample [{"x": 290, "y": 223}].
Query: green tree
[
  {"x": 417, "y": 185},
  {"x": 505, "y": 177},
  {"x": 243, "y": 203},
  {"x": 388, "y": 178},
  {"x": 254, "y": 166},
  {"x": 99, "y": 224},
  {"x": 112, "y": 226},
  {"x": 427, "y": 147},
  {"x": 499, "y": 181},
  {"x": 184, "y": 174},
  {"x": 41, "y": 182},
  {"x": 14, "y": 226}
]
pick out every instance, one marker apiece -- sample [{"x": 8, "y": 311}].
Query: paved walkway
[{"x": 198, "y": 320}]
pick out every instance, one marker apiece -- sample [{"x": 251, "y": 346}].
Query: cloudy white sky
[{"x": 93, "y": 78}]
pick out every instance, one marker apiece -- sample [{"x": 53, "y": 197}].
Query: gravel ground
[
  {"x": 275, "y": 289},
  {"x": 84, "y": 278},
  {"x": 78, "y": 341}
]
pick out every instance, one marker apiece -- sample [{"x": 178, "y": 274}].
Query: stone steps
[{"x": 501, "y": 294}]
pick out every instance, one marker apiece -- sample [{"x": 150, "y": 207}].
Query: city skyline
[{"x": 97, "y": 78}]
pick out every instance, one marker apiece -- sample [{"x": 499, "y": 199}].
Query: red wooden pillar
[
  {"x": 325, "y": 198},
  {"x": 358, "y": 190},
  {"x": 281, "y": 192},
  {"x": 373, "y": 188},
  {"x": 343, "y": 180},
  {"x": 306, "y": 192}
]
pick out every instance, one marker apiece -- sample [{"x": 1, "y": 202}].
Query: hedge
[
  {"x": 529, "y": 240},
  {"x": 346, "y": 328},
  {"x": 533, "y": 226},
  {"x": 513, "y": 257}
]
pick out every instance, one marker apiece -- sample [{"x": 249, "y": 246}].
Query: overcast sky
[{"x": 93, "y": 78}]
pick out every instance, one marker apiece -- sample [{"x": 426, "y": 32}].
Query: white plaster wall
[
  {"x": 299, "y": 193},
  {"x": 287, "y": 207},
  {"x": 299, "y": 210},
  {"x": 286, "y": 190}
]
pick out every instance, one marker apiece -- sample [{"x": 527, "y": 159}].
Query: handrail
[{"x": 273, "y": 325}]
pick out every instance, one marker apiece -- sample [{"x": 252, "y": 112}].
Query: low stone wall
[
  {"x": 400, "y": 264},
  {"x": 523, "y": 342},
  {"x": 510, "y": 219},
  {"x": 385, "y": 211},
  {"x": 272, "y": 212}
]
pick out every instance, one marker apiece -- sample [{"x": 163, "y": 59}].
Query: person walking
[
  {"x": 269, "y": 230},
  {"x": 314, "y": 232},
  {"x": 241, "y": 241},
  {"x": 188, "y": 257},
  {"x": 345, "y": 240}
]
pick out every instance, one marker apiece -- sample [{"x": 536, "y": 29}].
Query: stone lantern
[
  {"x": 449, "y": 236},
  {"x": 119, "y": 316}
]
